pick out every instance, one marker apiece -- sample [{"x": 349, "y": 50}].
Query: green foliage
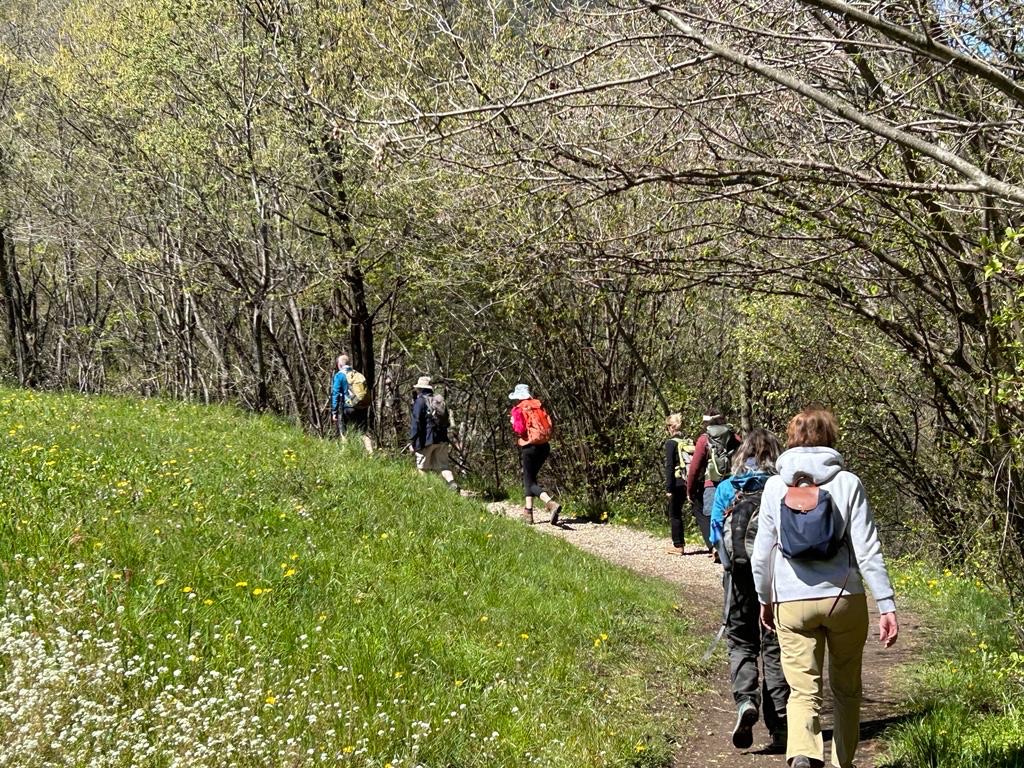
[
  {"x": 258, "y": 597},
  {"x": 967, "y": 692}
]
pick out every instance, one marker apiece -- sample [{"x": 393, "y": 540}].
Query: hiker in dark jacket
[
  {"x": 712, "y": 457},
  {"x": 736, "y": 498},
  {"x": 677, "y": 451},
  {"x": 428, "y": 432}
]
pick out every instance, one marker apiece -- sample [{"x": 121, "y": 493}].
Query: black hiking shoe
[{"x": 743, "y": 733}]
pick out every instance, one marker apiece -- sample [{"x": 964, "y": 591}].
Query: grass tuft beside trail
[
  {"x": 968, "y": 691},
  {"x": 189, "y": 586}
]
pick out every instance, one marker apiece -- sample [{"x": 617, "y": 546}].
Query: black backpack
[{"x": 740, "y": 528}]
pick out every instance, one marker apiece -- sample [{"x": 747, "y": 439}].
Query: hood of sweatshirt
[
  {"x": 820, "y": 464},
  {"x": 750, "y": 481}
]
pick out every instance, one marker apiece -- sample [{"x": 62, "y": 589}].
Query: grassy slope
[{"x": 191, "y": 586}]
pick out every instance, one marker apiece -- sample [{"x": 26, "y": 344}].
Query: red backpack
[{"x": 538, "y": 423}]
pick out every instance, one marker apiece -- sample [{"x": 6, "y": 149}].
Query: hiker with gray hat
[
  {"x": 532, "y": 427},
  {"x": 711, "y": 464},
  {"x": 428, "y": 432}
]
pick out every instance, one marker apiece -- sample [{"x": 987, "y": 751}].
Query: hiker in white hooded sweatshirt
[{"x": 819, "y": 604}]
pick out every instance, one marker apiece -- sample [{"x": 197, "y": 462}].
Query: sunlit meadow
[{"x": 189, "y": 586}]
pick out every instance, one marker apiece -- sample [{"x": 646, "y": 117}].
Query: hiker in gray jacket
[{"x": 820, "y": 603}]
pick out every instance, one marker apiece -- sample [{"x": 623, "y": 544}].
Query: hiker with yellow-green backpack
[
  {"x": 350, "y": 402},
  {"x": 678, "y": 453}
]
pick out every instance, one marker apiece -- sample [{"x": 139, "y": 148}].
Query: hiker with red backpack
[
  {"x": 734, "y": 524},
  {"x": 531, "y": 425},
  {"x": 428, "y": 432},
  {"x": 815, "y": 549},
  {"x": 711, "y": 464}
]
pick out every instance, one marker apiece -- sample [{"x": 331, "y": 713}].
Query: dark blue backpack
[{"x": 810, "y": 526}]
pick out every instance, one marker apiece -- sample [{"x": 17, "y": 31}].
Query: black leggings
[
  {"x": 533, "y": 458},
  {"x": 676, "y": 524}
]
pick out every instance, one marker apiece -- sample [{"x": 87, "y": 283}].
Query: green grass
[
  {"x": 969, "y": 689},
  {"x": 192, "y": 586}
]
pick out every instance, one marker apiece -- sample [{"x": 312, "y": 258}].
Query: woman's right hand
[{"x": 888, "y": 629}]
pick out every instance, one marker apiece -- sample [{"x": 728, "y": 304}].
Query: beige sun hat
[{"x": 423, "y": 382}]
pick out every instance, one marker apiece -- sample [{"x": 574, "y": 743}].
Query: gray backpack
[
  {"x": 437, "y": 412},
  {"x": 719, "y": 453}
]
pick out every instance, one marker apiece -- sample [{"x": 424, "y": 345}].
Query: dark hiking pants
[
  {"x": 747, "y": 641},
  {"x": 676, "y": 504},
  {"x": 533, "y": 458}
]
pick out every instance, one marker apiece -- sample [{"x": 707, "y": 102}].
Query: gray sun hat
[
  {"x": 521, "y": 392},
  {"x": 423, "y": 382}
]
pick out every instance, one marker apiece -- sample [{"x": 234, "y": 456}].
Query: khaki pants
[{"x": 805, "y": 629}]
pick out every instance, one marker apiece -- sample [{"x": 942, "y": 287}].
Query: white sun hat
[{"x": 521, "y": 392}]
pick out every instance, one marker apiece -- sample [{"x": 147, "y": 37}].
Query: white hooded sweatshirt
[{"x": 780, "y": 580}]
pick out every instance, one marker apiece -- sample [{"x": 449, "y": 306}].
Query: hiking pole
[{"x": 727, "y": 586}]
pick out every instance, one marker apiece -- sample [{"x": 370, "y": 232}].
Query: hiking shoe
[
  {"x": 554, "y": 508},
  {"x": 528, "y": 516},
  {"x": 743, "y": 733},
  {"x": 800, "y": 761},
  {"x": 675, "y": 550},
  {"x": 453, "y": 486}
]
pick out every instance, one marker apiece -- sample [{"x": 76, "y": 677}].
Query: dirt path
[{"x": 711, "y": 718}]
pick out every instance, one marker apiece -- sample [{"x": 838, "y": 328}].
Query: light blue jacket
[{"x": 750, "y": 481}]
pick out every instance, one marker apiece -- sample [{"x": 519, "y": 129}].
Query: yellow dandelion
[
  {"x": 383, "y": 536},
  {"x": 186, "y": 590},
  {"x": 604, "y": 636},
  {"x": 398, "y": 674},
  {"x": 271, "y": 700},
  {"x": 322, "y": 617},
  {"x": 640, "y": 748},
  {"x": 257, "y": 591},
  {"x": 458, "y": 683},
  {"x": 484, "y": 619},
  {"x": 207, "y": 601},
  {"x": 293, "y": 556},
  {"x": 348, "y": 749},
  {"x": 523, "y": 636},
  {"x": 241, "y": 583},
  {"x": 597, "y": 641},
  {"x": 160, "y": 582},
  {"x": 289, "y": 572}
]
